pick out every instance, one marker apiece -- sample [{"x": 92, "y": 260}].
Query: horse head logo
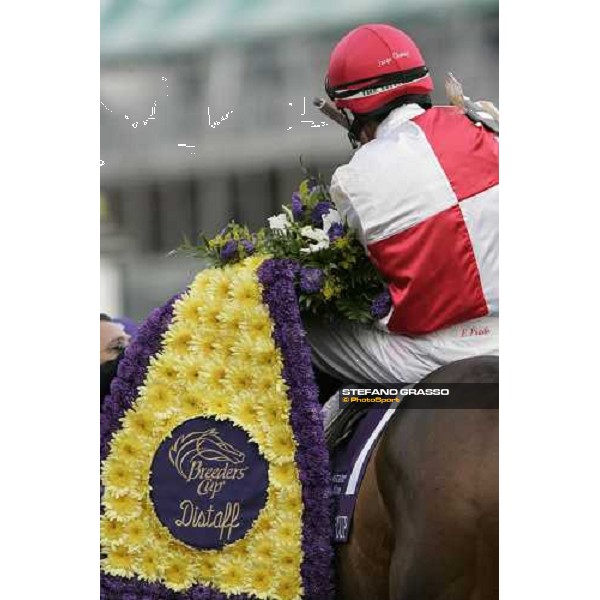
[{"x": 193, "y": 448}]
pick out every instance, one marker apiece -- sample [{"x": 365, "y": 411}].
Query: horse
[{"x": 426, "y": 519}]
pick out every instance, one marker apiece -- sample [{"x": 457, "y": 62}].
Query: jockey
[{"x": 422, "y": 194}]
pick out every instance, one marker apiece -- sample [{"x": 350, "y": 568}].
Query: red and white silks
[{"x": 423, "y": 196}]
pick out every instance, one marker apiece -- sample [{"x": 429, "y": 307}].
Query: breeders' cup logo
[
  {"x": 208, "y": 482},
  {"x": 194, "y": 454}
]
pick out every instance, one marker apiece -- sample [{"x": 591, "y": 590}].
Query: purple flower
[
  {"x": 313, "y": 185},
  {"x": 381, "y": 305},
  {"x": 229, "y": 251},
  {"x": 297, "y": 206},
  {"x": 248, "y": 247},
  {"x": 319, "y": 211},
  {"x": 280, "y": 296},
  {"x": 311, "y": 280},
  {"x": 335, "y": 231}
]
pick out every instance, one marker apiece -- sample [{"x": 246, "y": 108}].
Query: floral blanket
[{"x": 215, "y": 473}]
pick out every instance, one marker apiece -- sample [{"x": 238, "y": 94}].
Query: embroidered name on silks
[
  {"x": 209, "y": 482},
  {"x": 193, "y": 516}
]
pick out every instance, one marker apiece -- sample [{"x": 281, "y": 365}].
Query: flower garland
[
  {"x": 277, "y": 278},
  {"x": 223, "y": 320},
  {"x": 337, "y": 279}
]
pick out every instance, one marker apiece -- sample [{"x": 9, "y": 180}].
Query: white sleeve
[{"x": 342, "y": 200}]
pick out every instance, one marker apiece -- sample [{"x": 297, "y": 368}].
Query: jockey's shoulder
[
  {"x": 394, "y": 141},
  {"x": 376, "y": 156}
]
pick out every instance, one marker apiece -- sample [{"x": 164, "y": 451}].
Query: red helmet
[{"x": 373, "y": 65}]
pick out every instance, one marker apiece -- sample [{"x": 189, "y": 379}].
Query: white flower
[
  {"x": 279, "y": 222},
  {"x": 333, "y": 216},
  {"x": 318, "y": 235}
]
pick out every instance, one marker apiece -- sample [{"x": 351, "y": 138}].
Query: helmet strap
[{"x": 354, "y": 127}]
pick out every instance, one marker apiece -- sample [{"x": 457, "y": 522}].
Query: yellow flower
[
  {"x": 265, "y": 352},
  {"x": 189, "y": 370},
  {"x": 222, "y": 347},
  {"x": 218, "y": 286},
  {"x": 121, "y": 508},
  {"x": 161, "y": 536},
  {"x": 119, "y": 476},
  {"x": 342, "y": 243},
  {"x": 164, "y": 424},
  {"x": 255, "y": 321},
  {"x": 289, "y": 496},
  {"x": 245, "y": 292},
  {"x": 287, "y": 561},
  {"x": 252, "y": 263},
  {"x": 182, "y": 309},
  {"x": 128, "y": 446},
  {"x": 287, "y": 535},
  {"x": 280, "y": 444},
  {"x": 243, "y": 349},
  {"x": 282, "y": 475},
  {"x": 202, "y": 281},
  {"x": 147, "y": 564},
  {"x": 205, "y": 566},
  {"x": 273, "y": 413},
  {"x": 230, "y": 574},
  {"x": 245, "y": 411},
  {"x": 241, "y": 546},
  {"x": 268, "y": 382},
  {"x": 330, "y": 289},
  {"x": 158, "y": 398},
  {"x": 262, "y": 549},
  {"x": 220, "y": 404},
  {"x": 263, "y": 526},
  {"x": 119, "y": 561},
  {"x": 192, "y": 401},
  {"x": 260, "y": 435},
  {"x": 135, "y": 533},
  {"x": 213, "y": 374},
  {"x": 138, "y": 423},
  {"x": 111, "y": 531},
  {"x": 239, "y": 379},
  {"x": 288, "y": 588},
  {"x": 177, "y": 573},
  {"x": 231, "y": 317},
  {"x": 209, "y": 315},
  {"x": 258, "y": 579},
  {"x": 178, "y": 339},
  {"x": 204, "y": 343},
  {"x": 187, "y": 309},
  {"x": 164, "y": 369}
]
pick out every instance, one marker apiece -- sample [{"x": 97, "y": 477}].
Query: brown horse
[{"x": 426, "y": 519}]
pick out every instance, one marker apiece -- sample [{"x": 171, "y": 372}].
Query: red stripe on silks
[
  {"x": 468, "y": 154},
  {"x": 432, "y": 274}
]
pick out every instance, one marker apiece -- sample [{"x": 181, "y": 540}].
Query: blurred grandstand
[{"x": 252, "y": 57}]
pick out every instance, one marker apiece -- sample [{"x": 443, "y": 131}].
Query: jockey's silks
[{"x": 423, "y": 196}]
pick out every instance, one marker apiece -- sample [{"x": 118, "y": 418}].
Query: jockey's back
[{"x": 423, "y": 196}]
